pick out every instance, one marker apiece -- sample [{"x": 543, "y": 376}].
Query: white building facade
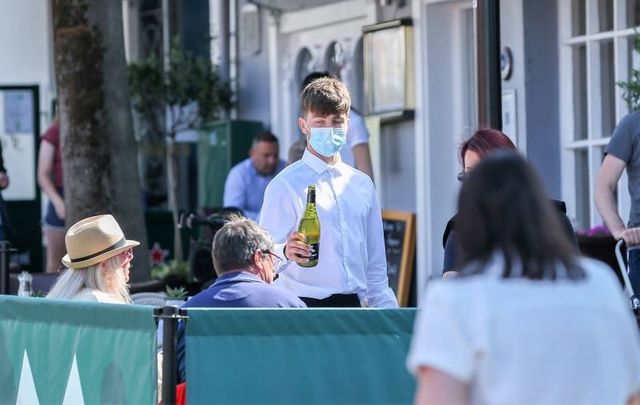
[{"x": 560, "y": 101}]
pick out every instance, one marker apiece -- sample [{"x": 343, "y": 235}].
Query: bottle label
[{"x": 315, "y": 252}]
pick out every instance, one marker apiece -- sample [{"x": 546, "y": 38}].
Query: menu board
[{"x": 399, "y": 243}]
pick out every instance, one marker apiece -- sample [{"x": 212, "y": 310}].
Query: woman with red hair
[
  {"x": 481, "y": 144},
  {"x": 476, "y": 148}
]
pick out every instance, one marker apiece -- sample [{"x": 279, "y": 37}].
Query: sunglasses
[
  {"x": 126, "y": 255},
  {"x": 461, "y": 176}
]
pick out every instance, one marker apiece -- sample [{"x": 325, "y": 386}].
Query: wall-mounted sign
[
  {"x": 18, "y": 144},
  {"x": 509, "y": 115},
  {"x": 389, "y": 87}
]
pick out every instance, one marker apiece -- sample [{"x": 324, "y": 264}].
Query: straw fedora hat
[{"x": 94, "y": 240}]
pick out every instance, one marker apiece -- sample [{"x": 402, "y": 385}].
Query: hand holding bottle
[{"x": 297, "y": 249}]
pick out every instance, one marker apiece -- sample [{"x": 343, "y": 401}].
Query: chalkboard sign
[{"x": 400, "y": 244}]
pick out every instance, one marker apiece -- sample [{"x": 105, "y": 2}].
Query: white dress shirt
[{"x": 352, "y": 256}]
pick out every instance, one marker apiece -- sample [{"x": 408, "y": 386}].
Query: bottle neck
[{"x": 311, "y": 196}]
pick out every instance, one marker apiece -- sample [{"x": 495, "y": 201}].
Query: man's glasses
[
  {"x": 461, "y": 176},
  {"x": 275, "y": 259}
]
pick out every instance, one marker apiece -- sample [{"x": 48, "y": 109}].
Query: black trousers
[{"x": 333, "y": 301}]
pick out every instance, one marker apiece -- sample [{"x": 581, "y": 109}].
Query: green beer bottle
[{"x": 310, "y": 227}]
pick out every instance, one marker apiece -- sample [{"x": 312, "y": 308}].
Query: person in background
[
  {"x": 352, "y": 266},
  {"x": 357, "y": 153},
  {"x": 483, "y": 142},
  {"x": 622, "y": 153},
  {"x": 50, "y": 181},
  {"x": 244, "y": 259},
  {"x": 248, "y": 179},
  {"x": 98, "y": 262},
  {"x": 527, "y": 320},
  {"x": 296, "y": 151}
]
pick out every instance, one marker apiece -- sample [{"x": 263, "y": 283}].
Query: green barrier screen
[
  {"x": 65, "y": 352},
  {"x": 299, "y": 356}
]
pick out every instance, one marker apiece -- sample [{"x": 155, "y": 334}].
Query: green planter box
[{"x": 221, "y": 146}]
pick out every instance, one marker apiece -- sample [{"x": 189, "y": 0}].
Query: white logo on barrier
[
  {"x": 26, "y": 389},
  {"x": 73, "y": 392},
  {"x": 27, "y": 394}
]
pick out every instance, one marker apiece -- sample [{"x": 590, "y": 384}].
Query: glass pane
[
  {"x": 633, "y": 13},
  {"x": 580, "y": 92},
  {"x": 304, "y": 65},
  {"x": 578, "y": 17},
  {"x": 605, "y": 15},
  {"x": 334, "y": 59},
  {"x": 357, "y": 78},
  {"x": 583, "y": 193},
  {"x": 607, "y": 88},
  {"x": 633, "y": 62}
]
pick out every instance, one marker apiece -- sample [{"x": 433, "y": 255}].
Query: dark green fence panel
[
  {"x": 299, "y": 356},
  {"x": 56, "y": 352}
]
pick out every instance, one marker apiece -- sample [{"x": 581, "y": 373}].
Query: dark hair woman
[
  {"x": 481, "y": 144},
  {"x": 527, "y": 320}
]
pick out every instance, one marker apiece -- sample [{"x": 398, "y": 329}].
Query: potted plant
[
  {"x": 173, "y": 97},
  {"x": 176, "y": 296}
]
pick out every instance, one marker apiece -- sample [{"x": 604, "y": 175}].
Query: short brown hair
[{"x": 325, "y": 96}]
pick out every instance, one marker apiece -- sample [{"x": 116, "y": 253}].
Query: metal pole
[
  {"x": 169, "y": 316},
  {"x": 225, "y": 42},
  {"x": 488, "y": 63},
  {"x": 5, "y": 249}
]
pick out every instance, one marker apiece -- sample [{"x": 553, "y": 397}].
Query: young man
[
  {"x": 248, "y": 179},
  {"x": 356, "y": 152},
  {"x": 352, "y": 268}
]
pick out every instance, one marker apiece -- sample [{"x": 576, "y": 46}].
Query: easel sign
[{"x": 400, "y": 243}]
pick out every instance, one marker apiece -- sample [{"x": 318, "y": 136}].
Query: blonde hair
[{"x": 112, "y": 281}]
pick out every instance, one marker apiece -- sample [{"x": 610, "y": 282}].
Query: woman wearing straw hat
[{"x": 98, "y": 260}]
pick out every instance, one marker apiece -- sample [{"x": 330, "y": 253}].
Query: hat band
[{"x": 116, "y": 245}]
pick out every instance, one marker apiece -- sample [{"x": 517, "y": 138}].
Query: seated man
[
  {"x": 248, "y": 179},
  {"x": 244, "y": 260}
]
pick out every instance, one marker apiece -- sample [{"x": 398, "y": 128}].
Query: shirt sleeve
[
  {"x": 379, "y": 294},
  {"x": 278, "y": 215},
  {"x": 450, "y": 252},
  {"x": 441, "y": 339},
  {"x": 357, "y": 132},
  {"x": 622, "y": 140},
  {"x": 52, "y": 135},
  {"x": 234, "y": 195}
]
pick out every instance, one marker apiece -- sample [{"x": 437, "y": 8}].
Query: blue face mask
[{"x": 327, "y": 141}]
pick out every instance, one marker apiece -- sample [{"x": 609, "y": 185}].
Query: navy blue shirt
[
  {"x": 241, "y": 289},
  {"x": 238, "y": 289}
]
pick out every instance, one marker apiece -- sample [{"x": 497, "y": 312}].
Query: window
[
  {"x": 334, "y": 59},
  {"x": 597, "y": 52},
  {"x": 304, "y": 66}
]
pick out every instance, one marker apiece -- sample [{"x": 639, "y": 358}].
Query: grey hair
[
  {"x": 236, "y": 242},
  {"x": 72, "y": 281}
]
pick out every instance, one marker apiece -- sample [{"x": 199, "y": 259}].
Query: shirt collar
[
  {"x": 240, "y": 275},
  {"x": 318, "y": 165}
]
